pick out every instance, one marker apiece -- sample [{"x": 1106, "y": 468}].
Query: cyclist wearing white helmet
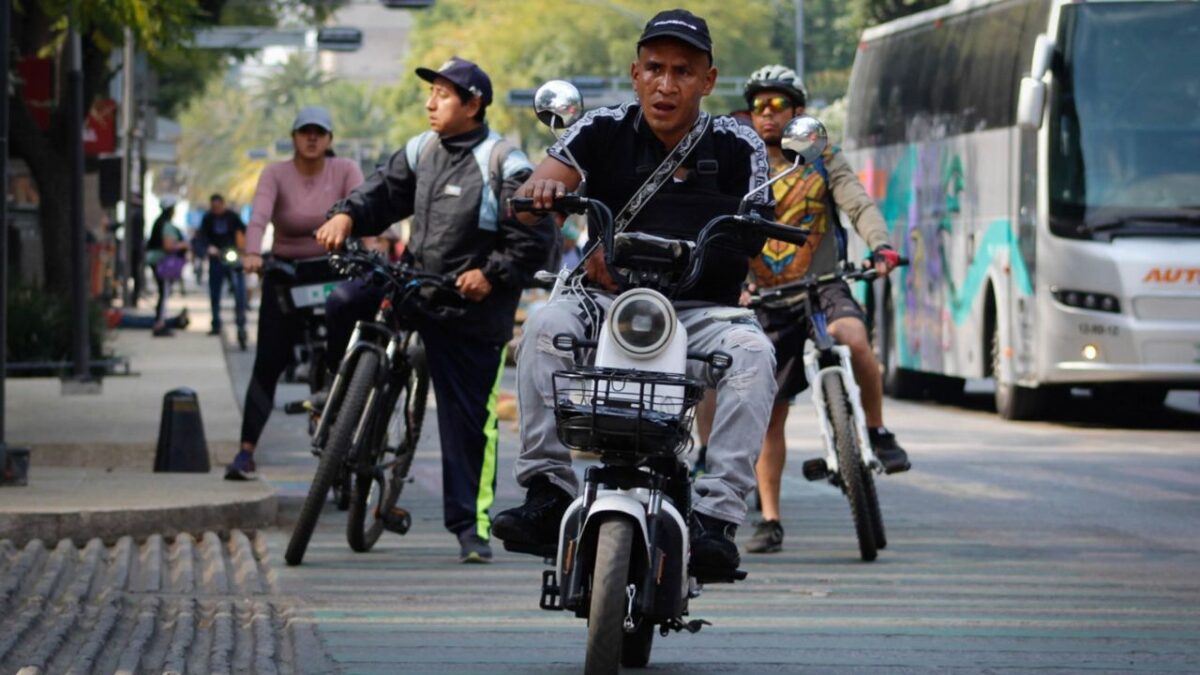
[{"x": 776, "y": 95}]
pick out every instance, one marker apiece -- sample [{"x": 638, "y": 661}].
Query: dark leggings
[
  {"x": 164, "y": 289},
  {"x": 278, "y": 335}
]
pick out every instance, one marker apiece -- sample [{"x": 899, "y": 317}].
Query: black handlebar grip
[
  {"x": 792, "y": 235},
  {"x": 569, "y": 203},
  {"x": 521, "y": 204}
]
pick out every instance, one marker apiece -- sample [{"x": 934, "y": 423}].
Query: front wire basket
[{"x": 621, "y": 412}]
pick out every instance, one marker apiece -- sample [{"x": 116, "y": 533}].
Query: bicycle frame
[{"x": 814, "y": 371}]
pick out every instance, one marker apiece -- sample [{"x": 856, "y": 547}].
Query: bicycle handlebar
[
  {"x": 570, "y": 203},
  {"x": 851, "y": 272}
]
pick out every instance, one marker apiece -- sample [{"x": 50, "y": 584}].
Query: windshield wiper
[{"x": 1185, "y": 217}]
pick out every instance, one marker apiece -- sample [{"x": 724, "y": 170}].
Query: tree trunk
[{"x": 51, "y": 172}]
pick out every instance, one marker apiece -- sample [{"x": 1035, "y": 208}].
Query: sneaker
[
  {"x": 890, "y": 454},
  {"x": 714, "y": 555},
  {"x": 242, "y": 467},
  {"x": 767, "y": 537},
  {"x": 473, "y": 548},
  {"x": 536, "y": 522},
  {"x": 242, "y": 339},
  {"x": 184, "y": 320},
  {"x": 215, "y": 330}
]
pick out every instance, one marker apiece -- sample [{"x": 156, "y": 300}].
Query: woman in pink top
[{"x": 294, "y": 196}]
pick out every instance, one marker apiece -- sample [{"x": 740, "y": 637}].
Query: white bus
[{"x": 1039, "y": 163}]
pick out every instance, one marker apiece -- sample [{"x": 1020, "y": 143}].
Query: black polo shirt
[
  {"x": 619, "y": 151},
  {"x": 221, "y": 231}
]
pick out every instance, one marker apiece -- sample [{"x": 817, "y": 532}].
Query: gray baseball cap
[{"x": 315, "y": 115}]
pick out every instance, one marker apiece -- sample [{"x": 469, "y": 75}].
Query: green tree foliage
[
  {"x": 521, "y": 43},
  {"x": 162, "y": 29},
  {"x": 223, "y": 124}
]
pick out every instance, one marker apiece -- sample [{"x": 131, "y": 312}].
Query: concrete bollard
[{"x": 181, "y": 444}]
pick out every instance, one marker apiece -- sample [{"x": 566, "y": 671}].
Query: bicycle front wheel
[
  {"x": 372, "y": 488},
  {"x": 850, "y": 466},
  {"x": 333, "y": 455}
]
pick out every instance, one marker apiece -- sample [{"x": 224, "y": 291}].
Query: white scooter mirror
[
  {"x": 558, "y": 104},
  {"x": 803, "y": 140}
]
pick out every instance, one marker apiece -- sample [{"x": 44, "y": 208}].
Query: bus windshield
[{"x": 1125, "y": 119}]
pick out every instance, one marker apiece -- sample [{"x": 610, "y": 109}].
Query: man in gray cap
[{"x": 454, "y": 180}]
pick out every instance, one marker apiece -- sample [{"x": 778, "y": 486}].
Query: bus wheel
[{"x": 1013, "y": 402}]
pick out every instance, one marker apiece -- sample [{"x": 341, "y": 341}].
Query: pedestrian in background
[
  {"x": 166, "y": 255},
  {"x": 223, "y": 232}
]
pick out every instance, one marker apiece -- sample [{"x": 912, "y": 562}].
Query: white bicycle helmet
[{"x": 776, "y": 78}]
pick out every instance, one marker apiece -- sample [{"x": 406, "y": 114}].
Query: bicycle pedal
[
  {"x": 816, "y": 469},
  {"x": 397, "y": 520},
  {"x": 550, "y": 592}
]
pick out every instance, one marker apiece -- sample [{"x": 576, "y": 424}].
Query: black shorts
[{"x": 788, "y": 332}]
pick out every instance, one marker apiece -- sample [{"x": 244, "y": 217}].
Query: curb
[{"x": 111, "y": 525}]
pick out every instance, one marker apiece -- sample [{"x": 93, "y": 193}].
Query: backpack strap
[
  {"x": 498, "y": 159},
  {"x": 418, "y": 148},
  {"x": 835, "y": 221}
]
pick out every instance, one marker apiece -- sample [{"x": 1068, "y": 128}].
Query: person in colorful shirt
[{"x": 776, "y": 95}]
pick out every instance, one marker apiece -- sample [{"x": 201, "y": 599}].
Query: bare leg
[
  {"x": 769, "y": 469},
  {"x": 704, "y": 415},
  {"x": 852, "y": 333}
]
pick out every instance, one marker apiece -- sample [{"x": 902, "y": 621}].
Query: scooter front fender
[{"x": 577, "y": 541}]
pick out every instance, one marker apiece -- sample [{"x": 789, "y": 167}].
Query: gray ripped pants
[{"x": 745, "y": 394}]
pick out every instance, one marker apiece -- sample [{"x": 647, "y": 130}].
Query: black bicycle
[
  {"x": 849, "y": 461},
  {"x": 371, "y": 422},
  {"x": 301, "y": 287}
]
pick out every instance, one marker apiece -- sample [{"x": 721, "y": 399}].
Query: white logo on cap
[
  {"x": 676, "y": 22},
  {"x": 475, "y": 90},
  {"x": 446, "y": 65}
]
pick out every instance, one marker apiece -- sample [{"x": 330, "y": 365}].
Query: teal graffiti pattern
[{"x": 922, "y": 198}]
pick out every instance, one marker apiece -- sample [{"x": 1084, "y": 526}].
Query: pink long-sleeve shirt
[{"x": 296, "y": 204}]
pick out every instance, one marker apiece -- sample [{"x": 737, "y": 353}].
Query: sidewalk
[{"x": 91, "y": 466}]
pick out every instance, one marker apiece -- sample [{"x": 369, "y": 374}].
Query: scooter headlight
[{"x": 642, "y": 323}]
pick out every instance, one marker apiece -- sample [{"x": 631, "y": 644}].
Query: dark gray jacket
[{"x": 457, "y": 224}]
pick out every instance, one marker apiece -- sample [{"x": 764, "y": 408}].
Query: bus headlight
[
  {"x": 1096, "y": 302},
  {"x": 642, "y": 322}
]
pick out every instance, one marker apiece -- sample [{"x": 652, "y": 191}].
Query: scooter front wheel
[{"x": 610, "y": 579}]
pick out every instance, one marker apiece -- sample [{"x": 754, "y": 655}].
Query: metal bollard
[{"x": 181, "y": 443}]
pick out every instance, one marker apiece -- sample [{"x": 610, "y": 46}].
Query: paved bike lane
[{"x": 1062, "y": 547}]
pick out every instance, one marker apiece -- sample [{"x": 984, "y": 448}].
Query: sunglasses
[{"x": 774, "y": 103}]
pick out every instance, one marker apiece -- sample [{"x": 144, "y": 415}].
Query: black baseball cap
[
  {"x": 679, "y": 24},
  {"x": 464, "y": 74}
]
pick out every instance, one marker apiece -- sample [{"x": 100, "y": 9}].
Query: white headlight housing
[{"x": 642, "y": 322}]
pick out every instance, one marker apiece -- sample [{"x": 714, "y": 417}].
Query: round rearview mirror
[
  {"x": 804, "y": 137},
  {"x": 558, "y": 104}
]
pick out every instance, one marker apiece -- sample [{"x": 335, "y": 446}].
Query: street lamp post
[
  {"x": 80, "y": 343},
  {"x": 800, "y": 39}
]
